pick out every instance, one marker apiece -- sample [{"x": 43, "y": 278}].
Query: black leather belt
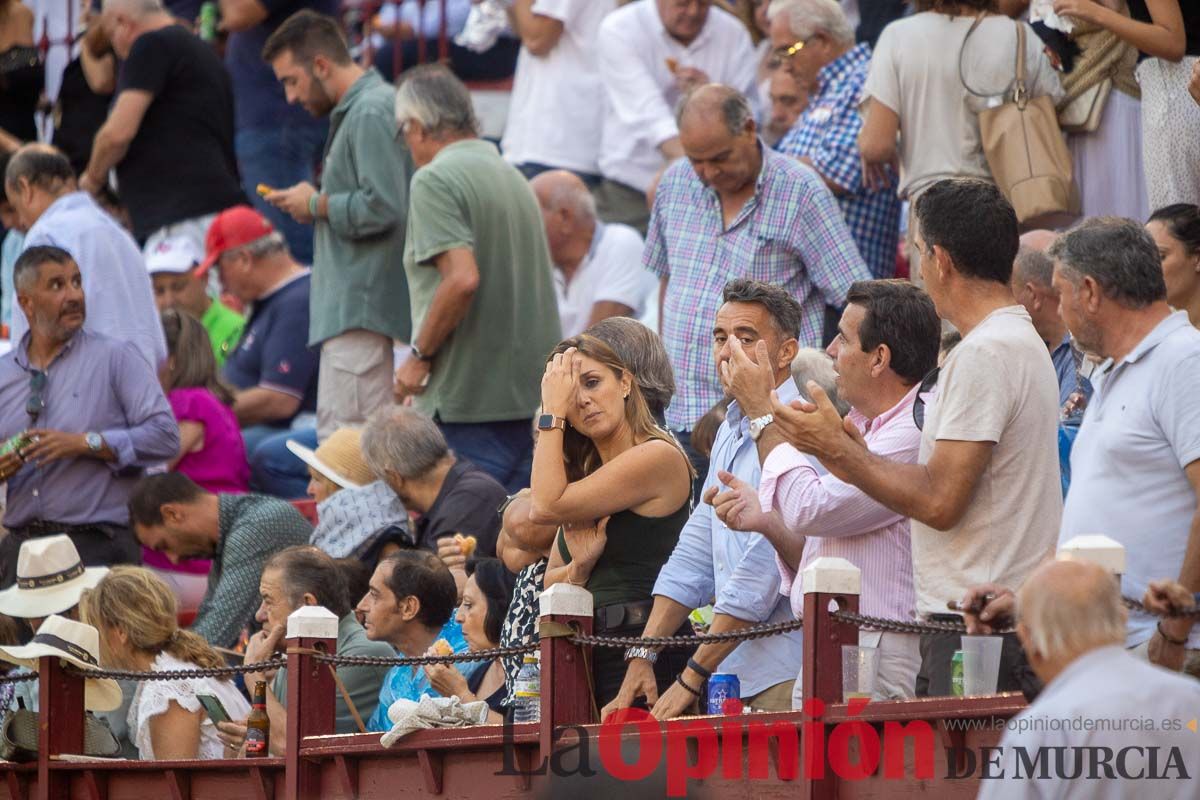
[
  {"x": 40, "y": 527},
  {"x": 623, "y": 615}
]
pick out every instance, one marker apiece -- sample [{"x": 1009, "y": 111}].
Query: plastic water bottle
[{"x": 528, "y": 691}]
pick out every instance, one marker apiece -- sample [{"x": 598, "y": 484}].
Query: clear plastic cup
[
  {"x": 860, "y": 666},
  {"x": 981, "y": 664}
]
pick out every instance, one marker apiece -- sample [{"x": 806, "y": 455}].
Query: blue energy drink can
[{"x": 721, "y": 687}]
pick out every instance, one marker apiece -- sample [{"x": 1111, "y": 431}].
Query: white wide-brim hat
[
  {"x": 339, "y": 458},
  {"x": 50, "y": 578},
  {"x": 75, "y": 643}
]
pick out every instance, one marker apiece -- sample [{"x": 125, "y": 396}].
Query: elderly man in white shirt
[
  {"x": 555, "y": 88},
  {"x": 120, "y": 301},
  {"x": 597, "y": 267},
  {"x": 1107, "y": 725},
  {"x": 1135, "y": 466},
  {"x": 651, "y": 53}
]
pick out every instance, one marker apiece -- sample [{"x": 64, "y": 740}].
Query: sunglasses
[
  {"x": 927, "y": 385},
  {"x": 35, "y": 405}
]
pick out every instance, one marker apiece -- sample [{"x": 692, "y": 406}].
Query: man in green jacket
[{"x": 359, "y": 303}]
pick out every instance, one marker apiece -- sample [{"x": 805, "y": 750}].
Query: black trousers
[
  {"x": 608, "y": 665},
  {"x": 100, "y": 545},
  {"x": 933, "y": 679}
]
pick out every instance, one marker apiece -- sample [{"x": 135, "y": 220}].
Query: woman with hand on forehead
[{"x": 620, "y": 487}]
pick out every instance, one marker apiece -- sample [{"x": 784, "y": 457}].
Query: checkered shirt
[
  {"x": 790, "y": 233},
  {"x": 827, "y": 134}
]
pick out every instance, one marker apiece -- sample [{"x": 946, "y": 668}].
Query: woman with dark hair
[
  {"x": 481, "y": 613},
  {"x": 619, "y": 486},
  {"x": 1176, "y": 231}
]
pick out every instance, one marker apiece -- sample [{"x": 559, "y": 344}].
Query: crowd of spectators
[{"x": 707, "y": 313}]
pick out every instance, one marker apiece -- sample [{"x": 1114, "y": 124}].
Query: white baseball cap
[{"x": 175, "y": 254}]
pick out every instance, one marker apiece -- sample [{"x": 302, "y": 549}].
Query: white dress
[{"x": 153, "y": 698}]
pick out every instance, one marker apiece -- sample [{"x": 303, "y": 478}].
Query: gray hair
[
  {"x": 1118, "y": 254},
  {"x": 809, "y": 17},
  {"x": 734, "y": 108},
  {"x": 403, "y": 440},
  {"x": 784, "y": 310},
  {"x": 811, "y": 364},
  {"x": 28, "y": 265},
  {"x": 1070, "y": 607},
  {"x": 42, "y": 165},
  {"x": 134, "y": 8},
  {"x": 434, "y": 97},
  {"x": 640, "y": 349},
  {"x": 575, "y": 197},
  {"x": 1033, "y": 266},
  {"x": 267, "y": 245}
]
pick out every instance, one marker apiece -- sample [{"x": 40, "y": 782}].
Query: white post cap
[
  {"x": 565, "y": 599},
  {"x": 832, "y": 576},
  {"x": 1096, "y": 548},
  {"x": 312, "y": 622}
]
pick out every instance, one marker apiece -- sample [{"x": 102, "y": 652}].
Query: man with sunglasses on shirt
[{"x": 91, "y": 415}]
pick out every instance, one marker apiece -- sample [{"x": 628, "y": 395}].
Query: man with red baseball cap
[{"x": 273, "y": 370}]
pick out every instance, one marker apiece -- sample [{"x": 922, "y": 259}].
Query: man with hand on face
[
  {"x": 757, "y": 322},
  {"x": 887, "y": 341},
  {"x": 293, "y": 578},
  {"x": 92, "y": 415},
  {"x": 359, "y": 301}
]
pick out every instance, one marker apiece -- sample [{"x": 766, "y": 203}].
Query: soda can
[
  {"x": 721, "y": 687},
  {"x": 208, "y": 21},
  {"x": 956, "y": 674}
]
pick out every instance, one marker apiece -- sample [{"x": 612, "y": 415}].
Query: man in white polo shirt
[
  {"x": 1135, "y": 467},
  {"x": 557, "y": 124},
  {"x": 597, "y": 267},
  {"x": 651, "y": 53}
]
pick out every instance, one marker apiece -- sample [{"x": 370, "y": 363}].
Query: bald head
[
  {"x": 41, "y": 165},
  {"x": 1039, "y": 240},
  {"x": 714, "y": 104},
  {"x": 133, "y": 8},
  {"x": 559, "y": 190},
  {"x": 1066, "y": 609}
]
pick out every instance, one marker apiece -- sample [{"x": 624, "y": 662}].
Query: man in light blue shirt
[
  {"x": 711, "y": 561},
  {"x": 41, "y": 186}
]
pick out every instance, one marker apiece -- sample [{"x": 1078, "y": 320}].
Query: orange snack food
[
  {"x": 466, "y": 544},
  {"x": 672, "y": 65},
  {"x": 442, "y": 648},
  {"x": 263, "y": 190}
]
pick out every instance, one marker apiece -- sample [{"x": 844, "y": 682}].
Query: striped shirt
[
  {"x": 790, "y": 233},
  {"x": 840, "y": 521},
  {"x": 827, "y": 135}
]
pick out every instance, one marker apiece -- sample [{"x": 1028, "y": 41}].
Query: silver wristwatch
[
  {"x": 641, "y": 652},
  {"x": 95, "y": 442},
  {"x": 759, "y": 424}
]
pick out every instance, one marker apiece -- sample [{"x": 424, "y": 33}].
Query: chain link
[
  {"x": 20, "y": 677},
  {"x": 453, "y": 658},
  {"x": 179, "y": 674},
  {"x": 745, "y": 634},
  {"x": 1136, "y": 605}
]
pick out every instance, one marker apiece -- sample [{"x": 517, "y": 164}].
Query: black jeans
[
  {"x": 933, "y": 679},
  {"x": 99, "y": 545},
  {"x": 608, "y": 665}
]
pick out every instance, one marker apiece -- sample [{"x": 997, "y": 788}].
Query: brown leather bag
[{"x": 1024, "y": 146}]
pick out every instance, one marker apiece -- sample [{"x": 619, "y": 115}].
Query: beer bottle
[{"x": 258, "y": 725}]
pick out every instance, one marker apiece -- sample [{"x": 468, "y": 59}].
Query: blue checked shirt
[
  {"x": 827, "y": 135},
  {"x": 790, "y": 233},
  {"x": 738, "y": 569}
]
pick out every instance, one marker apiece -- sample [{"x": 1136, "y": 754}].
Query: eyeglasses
[
  {"x": 781, "y": 53},
  {"x": 35, "y": 405},
  {"x": 927, "y": 385}
]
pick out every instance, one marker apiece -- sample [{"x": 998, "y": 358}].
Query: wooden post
[
  {"x": 566, "y": 692},
  {"x": 826, "y": 581},
  {"x": 60, "y": 724},
  {"x": 310, "y": 696}
]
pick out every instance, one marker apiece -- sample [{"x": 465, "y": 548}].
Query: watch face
[
  {"x": 546, "y": 422},
  {"x": 94, "y": 441}
]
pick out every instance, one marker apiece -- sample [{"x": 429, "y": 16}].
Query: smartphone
[{"x": 212, "y": 706}]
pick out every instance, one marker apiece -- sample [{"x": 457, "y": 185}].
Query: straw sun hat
[
  {"x": 75, "y": 643},
  {"x": 339, "y": 458},
  {"x": 50, "y": 578}
]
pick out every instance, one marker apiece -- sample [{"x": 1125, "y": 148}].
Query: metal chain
[
  {"x": 179, "y": 674},
  {"x": 1136, "y": 605},
  {"x": 757, "y": 632},
  {"x": 900, "y": 626},
  {"x": 470, "y": 655},
  {"x": 20, "y": 677}
]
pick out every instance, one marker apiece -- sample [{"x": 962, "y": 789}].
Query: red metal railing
[{"x": 467, "y": 763}]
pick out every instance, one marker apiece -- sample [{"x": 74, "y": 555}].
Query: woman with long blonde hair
[
  {"x": 134, "y": 611},
  {"x": 620, "y": 487}
]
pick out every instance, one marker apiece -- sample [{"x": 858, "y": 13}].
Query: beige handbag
[
  {"x": 1103, "y": 60},
  {"x": 1024, "y": 146}
]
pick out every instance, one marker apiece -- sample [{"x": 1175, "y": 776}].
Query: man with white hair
[
  {"x": 170, "y": 131},
  {"x": 359, "y": 302},
  {"x": 815, "y": 43},
  {"x": 1090, "y": 720},
  {"x": 597, "y": 266},
  {"x": 484, "y": 314}
]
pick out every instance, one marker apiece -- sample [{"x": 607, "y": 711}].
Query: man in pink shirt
[{"x": 887, "y": 342}]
